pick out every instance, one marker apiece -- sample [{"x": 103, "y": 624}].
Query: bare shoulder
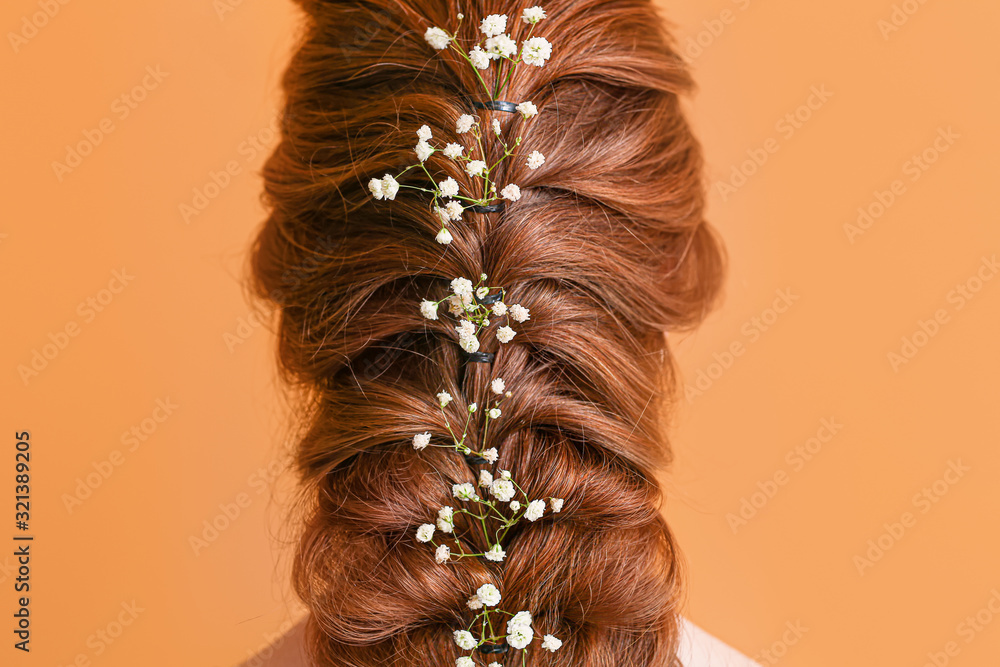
[
  {"x": 288, "y": 650},
  {"x": 700, "y": 649}
]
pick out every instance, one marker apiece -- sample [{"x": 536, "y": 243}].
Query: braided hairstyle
[{"x": 608, "y": 248}]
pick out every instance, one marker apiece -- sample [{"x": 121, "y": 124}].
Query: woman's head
[{"x": 607, "y": 247}]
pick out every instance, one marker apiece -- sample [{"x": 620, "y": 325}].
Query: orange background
[{"x": 177, "y": 331}]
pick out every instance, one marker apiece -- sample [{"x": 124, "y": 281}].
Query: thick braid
[{"x": 608, "y": 249}]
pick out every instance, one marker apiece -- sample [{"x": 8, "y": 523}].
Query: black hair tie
[
  {"x": 492, "y": 208},
  {"x": 472, "y": 459},
  {"x": 482, "y": 357},
  {"x": 489, "y": 649},
  {"x": 489, "y": 299},
  {"x": 496, "y": 105}
]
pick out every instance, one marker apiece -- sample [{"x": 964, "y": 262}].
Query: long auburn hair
[{"x": 608, "y": 248}]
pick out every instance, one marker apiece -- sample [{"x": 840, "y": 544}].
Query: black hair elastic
[
  {"x": 489, "y": 299},
  {"x": 489, "y": 649},
  {"x": 472, "y": 459},
  {"x": 492, "y": 208},
  {"x": 482, "y": 357},
  {"x": 496, "y": 105}
]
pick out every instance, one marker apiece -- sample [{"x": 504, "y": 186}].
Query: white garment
[{"x": 700, "y": 649}]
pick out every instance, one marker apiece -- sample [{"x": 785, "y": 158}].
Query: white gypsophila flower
[
  {"x": 473, "y": 407},
  {"x": 494, "y": 664},
  {"x": 494, "y": 24},
  {"x": 551, "y": 643},
  {"x": 535, "y": 510},
  {"x": 453, "y": 151},
  {"x": 519, "y": 313},
  {"x": 475, "y": 167},
  {"x": 375, "y": 186},
  {"x": 424, "y": 133},
  {"x": 470, "y": 344},
  {"x": 474, "y": 603},
  {"x": 504, "y": 474},
  {"x": 465, "y": 661},
  {"x": 520, "y": 636},
  {"x": 535, "y": 160},
  {"x": 496, "y": 554},
  {"x": 446, "y": 519},
  {"x": 421, "y": 440},
  {"x": 462, "y": 287},
  {"x": 482, "y": 292},
  {"x": 449, "y": 187},
  {"x": 502, "y": 489},
  {"x": 521, "y": 618},
  {"x": 533, "y": 15},
  {"x": 465, "y": 640},
  {"x": 499, "y": 309},
  {"x": 497, "y": 130},
  {"x": 515, "y": 505},
  {"x": 443, "y": 554},
  {"x": 389, "y": 187},
  {"x": 536, "y": 51},
  {"x": 425, "y": 532},
  {"x": 505, "y": 334},
  {"x": 444, "y": 398},
  {"x": 494, "y": 413},
  {"x": 511, "y": 192},
  {"x": 464, "y": 123},
  {"x": 444, "y": 237},
  {"x": 491, "y": 455},
  {"x": 480, "y": 59},
  {"x": 556, "y": 504},
  {"x": 485, "y": 478},
  {"x": 501, "y": 46},
  {"x": 488, "y": 595},
  {"x": 454, "y": 210},
  {"x": 442, "y": 214},
  {"x": 455, "y": 306},
  {"x": 465, "y": 328},
  {"x": 437, "y": 38},
  {"x": 429, "y": 309},
  {"x": 527, "y": 109},
  {"x": 498, "y": 385},
  {"x": 423, "y": 150},
  {"x": 464, "y": 491}
]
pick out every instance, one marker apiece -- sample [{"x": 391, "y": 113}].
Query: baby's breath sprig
[
  {"x": 475, "y": 304},
  {"x": 448, "y": 203}
]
